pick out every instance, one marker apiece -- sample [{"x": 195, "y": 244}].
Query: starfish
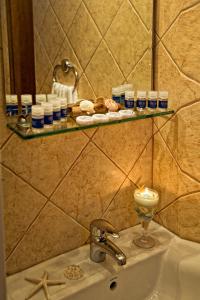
[{"x": 42, "y": 283}]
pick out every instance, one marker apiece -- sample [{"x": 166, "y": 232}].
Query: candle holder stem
[{"x": 145, "y": 241}]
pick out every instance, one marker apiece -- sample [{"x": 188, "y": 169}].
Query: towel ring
[{"x": 66, "y": 66}]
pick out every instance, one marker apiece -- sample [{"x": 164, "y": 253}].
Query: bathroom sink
[{"x": 169, "y": 271}]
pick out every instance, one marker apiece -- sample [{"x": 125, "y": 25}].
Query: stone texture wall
[
  {"x": 176, "y": 161},
  {"x": 54, "y": 187}
]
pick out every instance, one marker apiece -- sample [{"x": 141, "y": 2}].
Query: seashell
[
  {"x": 111, "y": 105},
  {"x": 87, "y": 106}
]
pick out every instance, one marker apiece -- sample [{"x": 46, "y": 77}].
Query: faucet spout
[{"x": 100, "y": 245}]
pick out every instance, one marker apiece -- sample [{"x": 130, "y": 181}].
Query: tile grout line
[
  {"x": 176, "y": 199},
  {"x": 24, "y": 180},
  {"x": 27, "y": 230},
  {"x": 177, "y": 163},
  {"x": 139, "y": 16},
  {"x": 140, "y": 59},
  {"x": 72, "y": 165},
  {"x": 6, "y": 140},
  {"x": 182, "y": 11}
]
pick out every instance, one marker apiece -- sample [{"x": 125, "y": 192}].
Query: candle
[{"x": 146, "y": 197}]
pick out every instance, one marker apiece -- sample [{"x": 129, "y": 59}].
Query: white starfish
[{"x": 42, "y": 283}]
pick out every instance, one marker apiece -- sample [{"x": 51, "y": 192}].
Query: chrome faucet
[{"x": 100, "y": 245}]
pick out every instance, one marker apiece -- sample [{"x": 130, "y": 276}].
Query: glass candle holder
[{"x": 146, "y": 202}]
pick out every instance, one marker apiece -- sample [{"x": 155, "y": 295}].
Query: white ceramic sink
[{"x": 170, "y": 271}]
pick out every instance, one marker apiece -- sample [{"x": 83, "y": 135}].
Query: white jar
[
  {"x": 13, "y": 105},
  {"x": 37, "y": 117},
  {"x": 163, "y": 100},
  {"x": 152, "y": 100},
  {"x": 51, "y": 97},
  {"x": 64, "y": 111},
  {"x": 141, "y": 100},
  {"x": 100, "y": 118}
]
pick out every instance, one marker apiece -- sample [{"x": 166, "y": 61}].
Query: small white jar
[
  {"x": 84, "y": 120},
  {"x": 51, "y": 97},
  {"x": 64, "y": 111},
  {"x": 100, "y": 118},
  {"x": 37, "y": 117},
  {"x": 113, "y": 116},
  {"x": 13, "y": 105},
  {"x": 126, "y": 113}
]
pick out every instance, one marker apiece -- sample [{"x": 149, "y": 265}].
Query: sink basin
[{"x": 169, "y": 271}]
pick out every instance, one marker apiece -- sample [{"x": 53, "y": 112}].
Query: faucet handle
[{"x": 100, "y": 228}]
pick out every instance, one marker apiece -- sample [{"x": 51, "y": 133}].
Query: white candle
[{"x": 146, "y": 197}]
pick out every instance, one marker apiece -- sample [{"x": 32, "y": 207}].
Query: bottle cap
[
  {"x": 116, "y": 91},
  {"x": 163, "y": 94},
  {"x": 37, "y": 110},
  {"x": 141, "y": 94},
  {"x": 51, "y": 97},
  {"x": 14, "y": 99},
  {"x": 48, "y": 107},
  {"x": 127, "y": 87},
  {"x": 26, "y": 99},
  {"x": 40, "y": 98},
  {"x": 129, "y": 94},
  {"x": 153, "y": 94}
]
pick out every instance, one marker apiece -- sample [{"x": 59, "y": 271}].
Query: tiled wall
[
  {"x": 54, "y": 187},
  {"x": 177, "y": 139}
]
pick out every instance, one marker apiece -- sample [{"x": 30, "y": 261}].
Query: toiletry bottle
[
  {"x": 163, "y": 100},
  {"x": 40, "y": 98},
  {"x": 129, "y": 99},
  {"x": 48, "y": 114},
  {"x": 26, "y": 101},
  {"x": 8, "y": 105},
  {"x": 14, "y": 105},
  {"x": 56, "y": 111},
  {"x": 116, "y": 94},
  {"x": 124, "y": 88},
  {"x": 152, "y": 100},
  {"x": 141, "y": 100},
  {"x": 37, "y": 117},
  {"x": 64, "y": 111}
]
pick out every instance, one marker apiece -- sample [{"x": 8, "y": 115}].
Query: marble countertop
[{"x": 18, "y": 288}]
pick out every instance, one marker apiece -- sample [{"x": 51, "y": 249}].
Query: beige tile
[
  {"x": 66, "y": 52},
  {"x": 188, "y": 212},
  {"x": 169, "y": 218},
  {"x": 39, "y": 11},
  {"x": 52, "y": 233},
  {"x": 124, "y": 143},
  {"x": 84, "y": 89},
  {"x": 168, "y": 179},
  {"x": 84, "y": 36},
  {"x": 181, "y": 134},
  {"x": 42, "y": 62},
  {"x": 65, "y": 11},
  {"x": 46, "y": 87},
  {"x": 21, "y": 205},
  {"x": 103, "y": 12},
  {"x": 141, "y": 77},
  {"x": 4, "y": 131},
  {"x": 103, "y": 73},
  {"x": 141, "y": 174},
  {"x": 92, "y": 182},
  {"x": 121, "y": 213},
  {"x": 43, "y": 162},
  {"x": 55, "y": 37},
  {"x": 182, "y": 90},
  {"x": 182, "y": 41},
  {"x": 145, "y": 10},
  {"x": 168, "y": 11},
  {"x": 125, "y": 33}
]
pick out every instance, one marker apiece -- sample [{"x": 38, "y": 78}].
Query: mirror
[{"x": 110, "y": 43}]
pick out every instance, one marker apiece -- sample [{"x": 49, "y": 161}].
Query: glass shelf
[{"x": 71, "y": 125}]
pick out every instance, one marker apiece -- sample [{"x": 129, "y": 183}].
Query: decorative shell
[
  {"x": 87, "y": 106},
  {"x": 111, "y": 105}
]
